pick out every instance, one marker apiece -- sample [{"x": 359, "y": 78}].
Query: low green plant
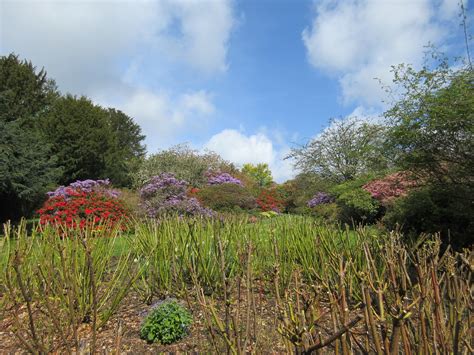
[
  {"x": 167, "y": 323},
  {"x": 226, "y": 197}
]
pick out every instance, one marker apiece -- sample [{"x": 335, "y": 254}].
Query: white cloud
[
  {"x": 115, "y": 51},
  {"x": 257, "y": 148},
  {"x": 162, "y": 116},
  {"x": 359, "y": 40},
  {"x": 87, "y": 45}
]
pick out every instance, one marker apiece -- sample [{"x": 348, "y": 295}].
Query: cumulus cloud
[
  {"x": 85, "y": 44},
  {"x": 240, "y": 148},
  {"x": 163, "y": 116},
  {"x": 114, "y": 52},
  {"x": 359, "y": 40}
]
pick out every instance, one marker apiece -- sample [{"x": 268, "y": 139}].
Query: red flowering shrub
[
  {"x": 390, "y": 187},
  {"x": 269, "y": 200},
  {"x": 81, "y": 209}
]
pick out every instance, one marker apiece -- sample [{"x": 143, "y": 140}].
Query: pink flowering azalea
[{"x": 390, "y": 187}]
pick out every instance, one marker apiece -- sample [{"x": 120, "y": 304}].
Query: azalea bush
[
  {"x": 390, "y": 187},
  {"x": 165, "y": 194},
  {"x": 269, "y": 200},
  {"x": 81, "y": 204}
]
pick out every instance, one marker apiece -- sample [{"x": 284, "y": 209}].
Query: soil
[{"x": 122, "y": 332}]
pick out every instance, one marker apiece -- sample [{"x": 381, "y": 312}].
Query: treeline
[
  {"x": 412, "y": 169},
  {"x": 47, "y": 139}
]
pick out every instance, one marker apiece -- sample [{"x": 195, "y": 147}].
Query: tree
[
  {"x": 433, "y": 123},
  {"x": 78, "y": 133},
  {"x": 91, "y": 142},
  {"x": 260, "y": 173},
  {"x": 345, "y": 150},
  {"x": 433, "y": 133},
  {"x": 27, "y": 167},
  {"x": 24, "y": 92},
  {"x": 184, "y": 162},
  {"x": 126, "y": 148},
  {"x": 27, "y": 170}
]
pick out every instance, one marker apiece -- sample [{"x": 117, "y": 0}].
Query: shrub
[
  {"x": 167, "y": 323},
  {"x": 446, "y": 209},
  {"x": 356, "y": 204},
  {"x": 184, "y": 163},
  {"x": 166, "y": 194},
  {"x": 81, "y": 204},
  {"x": 320, "y": 198},
  {"x": 226, "y": 197},
  {"x": 268, "y": 200},
  {"x": 390, "y": 187},
  {"x": 86, "y": 186},
  {"x": 223, "y": 178},
  {"x": 328, "y": 211}
]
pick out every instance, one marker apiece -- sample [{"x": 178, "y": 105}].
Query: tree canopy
[
  {"x": 260, "y": 173},
  {"x": 343, "y": 151}
]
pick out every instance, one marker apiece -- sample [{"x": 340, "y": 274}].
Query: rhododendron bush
[
  {"x": 83, "y": 203},
  {"x": 165, "y": 194},
  {"x": 390, "y": 187},
  {"x": 222, "y": 178},
  {"x": 320, "y": 198}
]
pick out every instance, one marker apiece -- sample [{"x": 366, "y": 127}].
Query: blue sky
[{"x": 245, "y": 78}]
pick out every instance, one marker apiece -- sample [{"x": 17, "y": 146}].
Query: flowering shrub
[
  {"x": 320, "y": 198},
  {"x": 81, "y": 209},
  {"x": 223, "y": 178},
  {"x": 166, "y": 194},
  {"x": 87, "y": 186},
  {"x": 268, "y": 200},
  {"x": 390, "y": 187}
]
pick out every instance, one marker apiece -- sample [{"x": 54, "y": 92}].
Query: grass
[{"x": 314, "y": 274}]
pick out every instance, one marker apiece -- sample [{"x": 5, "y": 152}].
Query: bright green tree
[{"x": 260, "y": 173}]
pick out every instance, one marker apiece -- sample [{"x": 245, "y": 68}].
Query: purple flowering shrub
[
  {"x": 223, "y": 178},
  {"x": 87, "y": 186},
  {"x": 165, "y": 194},
  {"x": 320, "y": 198}
]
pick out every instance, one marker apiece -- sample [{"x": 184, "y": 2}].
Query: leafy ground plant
[{"x": 167, "y": 323}]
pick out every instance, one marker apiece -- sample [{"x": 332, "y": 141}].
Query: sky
[{"x": 248, "y": 79}]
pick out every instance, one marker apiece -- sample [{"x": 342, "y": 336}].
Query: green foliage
[
  {"x": 433, "y": 123},
  {"x": 330, "y": 212},
  {"x": 260, "y": 173},
  {"x": 443, "y": 208},
  {"x": 126, "y": 148},
  {"x": 184, "y": 163},
  {"x": 72, "y": 276},
  {"x": 226, "y": 197},
  {"x": 300, "y": 190},
  {"x": 91, "y": 142},
  {"x": 433, "y": 134},
  {"x": 357, "y": 205},
  {"x": 24, "y": 91},
  {"x": 167, "y": 323},
  {"x": 344, "y": 151},
  {"x": 27, "y": 168}
]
